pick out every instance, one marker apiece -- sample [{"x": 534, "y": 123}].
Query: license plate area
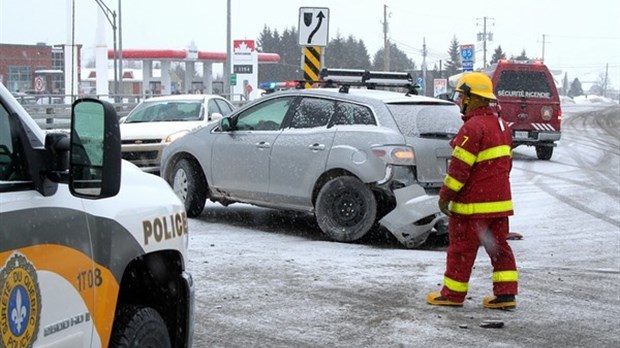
[{"x": 521, "y": 134}]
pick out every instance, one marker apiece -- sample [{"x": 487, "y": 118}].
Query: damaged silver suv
[{"x": 352, "y": 156}]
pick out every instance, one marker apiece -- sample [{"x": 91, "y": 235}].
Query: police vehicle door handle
[
  {"x": 263, "y": 145},
  {"x": 317, "y": 147}
]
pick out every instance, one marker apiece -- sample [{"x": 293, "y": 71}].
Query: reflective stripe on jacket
[{"x": 478, "y": 178}]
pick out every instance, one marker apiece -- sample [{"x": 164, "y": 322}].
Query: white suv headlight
[{"x": 174, "y": 136}]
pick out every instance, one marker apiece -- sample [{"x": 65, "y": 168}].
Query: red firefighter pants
[{"x": 466, "y": 235}]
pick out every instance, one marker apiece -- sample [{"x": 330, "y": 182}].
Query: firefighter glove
[{"x": 444, "y": 206}]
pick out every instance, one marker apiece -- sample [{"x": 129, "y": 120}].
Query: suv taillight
[{"x": 396, "y": 155}]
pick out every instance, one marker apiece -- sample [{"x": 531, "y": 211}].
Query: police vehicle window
[
  {"x": 265, "y": 116},
  {"x": 527, "y": 81},
  {"x": 225, "y": 108},
  {"x": 312, "y": 112},
  {"x": 349, "y": 114},
  {"x": 12, "y": 164}
]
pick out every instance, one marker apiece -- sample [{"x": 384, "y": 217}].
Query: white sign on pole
[
  {"x": 441, "y": 86},
  {"x": 39, "y": 84},
  {"x": 313, "y": 26}
]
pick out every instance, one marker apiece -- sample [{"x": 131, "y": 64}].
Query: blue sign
[
  {"x": 419, "y": 81},
  {"x": 468, "y": 66},
  {"x": 468, "y": 54}
]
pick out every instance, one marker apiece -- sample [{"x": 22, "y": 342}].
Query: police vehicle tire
[
  {"x": 136, "y": 326},
  {"x": 345, "y": 209},
  {"x": 544, "y": 152},
  {"x": 190, "y": 185}
]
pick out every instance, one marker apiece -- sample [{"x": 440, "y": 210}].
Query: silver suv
[{"x": 351, "y": 156}]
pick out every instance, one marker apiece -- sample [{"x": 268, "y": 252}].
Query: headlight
[{"x": 174, "y": 136}]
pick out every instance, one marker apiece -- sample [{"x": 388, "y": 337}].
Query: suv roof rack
[{"x": 345, "y": 78}]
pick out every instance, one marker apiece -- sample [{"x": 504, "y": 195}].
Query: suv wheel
[
  {"x": 189, "y": 184},
  {"x": 544, "y": 152},
  {"x": 346, "y": 209}
]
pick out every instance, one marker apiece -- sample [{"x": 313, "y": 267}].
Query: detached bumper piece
[{"x": 414, "y": 217}]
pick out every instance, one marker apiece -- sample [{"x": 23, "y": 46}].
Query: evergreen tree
[
  {"x": 565, "y": 85},
  {"x": 498, "y": 55},
  {"x": 521, "y": 57},
  {"x": 575, "y": 88},
  {"x": 337, "y": 57},
  {"x": 453, "y": 64},
  {"x": 398, "y": 60}
]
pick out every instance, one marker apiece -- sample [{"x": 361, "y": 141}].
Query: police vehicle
[{"x": 92, "y": 250}]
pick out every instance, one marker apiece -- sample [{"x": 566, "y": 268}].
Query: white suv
[{"x": 156, "y": 122}]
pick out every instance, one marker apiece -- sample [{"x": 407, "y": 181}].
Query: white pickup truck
[{"x": 93, "y": 252}]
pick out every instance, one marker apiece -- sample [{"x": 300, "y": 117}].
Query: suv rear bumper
[{"x": 414, "y": 217}]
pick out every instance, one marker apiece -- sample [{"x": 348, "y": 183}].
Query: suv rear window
[
  {"x": 527, "y": 84},
  {"x": 427, "y": 120}
]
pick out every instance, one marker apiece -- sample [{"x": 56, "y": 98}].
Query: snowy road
[{"x": 269, "y": 279}]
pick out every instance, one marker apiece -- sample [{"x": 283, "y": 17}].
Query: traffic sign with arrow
[{"x": 313, "y": 26}]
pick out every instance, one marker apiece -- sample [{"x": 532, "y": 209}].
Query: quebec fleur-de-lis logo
[
  {"x": 20, "y": 302},
  {"x": 19, "y": 311}
]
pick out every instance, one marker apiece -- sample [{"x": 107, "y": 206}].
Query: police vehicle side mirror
[{"x": 95, "y": 150}]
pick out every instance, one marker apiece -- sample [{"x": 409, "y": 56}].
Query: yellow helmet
[{"x": 476, "y": 83}]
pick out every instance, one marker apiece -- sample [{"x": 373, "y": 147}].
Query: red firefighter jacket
[{"x": 478, "y": 178}]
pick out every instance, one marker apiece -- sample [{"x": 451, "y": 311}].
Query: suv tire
[
  {"x": 345, "y": 208},
  {"x": 139, "y": 327},
  {"x": 188, "y": 183}
]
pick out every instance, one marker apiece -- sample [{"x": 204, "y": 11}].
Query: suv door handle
[
  {"x": 263, "y": 145},
  {"x": 317, "y": 147}
]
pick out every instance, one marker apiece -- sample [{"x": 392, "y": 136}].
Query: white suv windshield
[
  {"x": 427, "y": 120},
  {"x": 166, "y": 112}
]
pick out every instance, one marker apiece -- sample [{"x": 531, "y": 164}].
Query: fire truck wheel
[
  {"x": 544, "y": 152},
  {"x": 139, "y": 327}
]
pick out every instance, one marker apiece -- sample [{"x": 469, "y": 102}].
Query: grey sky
[{"x": 581, "y": 37}]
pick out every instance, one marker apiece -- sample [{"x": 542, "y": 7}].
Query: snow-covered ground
[{"x": 270, "y": 279}]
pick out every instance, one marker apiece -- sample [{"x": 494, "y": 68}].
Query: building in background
[{"x": 34, "y": 68}]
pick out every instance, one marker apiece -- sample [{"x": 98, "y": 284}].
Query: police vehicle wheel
[
  {"x": 346, "y": 209},
  {"x": 139, "y": 327},
  {"x": 189, "y": 184},
  {"x": 544, "y": 152}
]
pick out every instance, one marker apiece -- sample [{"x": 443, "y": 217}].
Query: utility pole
[
  {"x": 544, "y": 42},
  {"x": 227, "y": 64},
  {"x": 484, "y": 36},
  {"x": 424, "y": 65},
  {"x": 109, "y": 13},
  {"x": 605, "y": 80},
  {"x": 120, "y": 51},
  {"x": 386, "y": 41}
]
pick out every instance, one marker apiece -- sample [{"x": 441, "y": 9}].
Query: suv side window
[
  {"x": 349, "y": 114},
  {"x": 265, "y": 116},
  {"x": 12, "y": 164},
  {"x": 312, "y": 112}
]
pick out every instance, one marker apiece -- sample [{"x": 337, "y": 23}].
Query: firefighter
[{"x": 476, "y": 197}]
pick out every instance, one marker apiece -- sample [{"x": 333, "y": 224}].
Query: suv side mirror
[
  {"x": 226, "y": 124},
  {"x": 95, "y": 151}
]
